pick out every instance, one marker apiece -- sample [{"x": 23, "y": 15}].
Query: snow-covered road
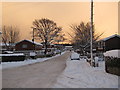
[
  {"x": 79, "y": 74},
  {"x": 5, "y": 65},
  {"x": 37, "y": 75}
]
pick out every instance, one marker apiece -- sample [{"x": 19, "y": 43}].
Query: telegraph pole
[
  {"x": 91, "y": 34},
  {"x": 33, "y": 40}
]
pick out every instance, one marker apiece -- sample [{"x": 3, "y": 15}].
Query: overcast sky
[{"x": 22, "y": 15}]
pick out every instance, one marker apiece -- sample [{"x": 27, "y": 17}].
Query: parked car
[{"x": 75, "y": 56}]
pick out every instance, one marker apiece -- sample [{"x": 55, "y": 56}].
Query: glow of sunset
[{"x": 22, "y": 14}]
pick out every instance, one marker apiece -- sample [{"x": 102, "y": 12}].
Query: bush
[
  {"x": 112, "y": 65},
  {"x": 112, "y": 61}
]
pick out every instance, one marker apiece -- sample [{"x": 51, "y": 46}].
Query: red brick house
[{"x": 24, "y": 45}]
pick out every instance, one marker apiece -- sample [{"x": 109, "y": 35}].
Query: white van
[{"x": 75, "y": 56}]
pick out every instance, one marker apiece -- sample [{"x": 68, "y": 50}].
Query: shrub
[
  {"x": 12, "y": 58},
  {"x": 112, "y": 65}
]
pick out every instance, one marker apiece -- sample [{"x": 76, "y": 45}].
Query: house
[
  {"x": 25, "y": 45},
  {"x": 112, "y": 42},
  {"x": 109, "y": 43}
]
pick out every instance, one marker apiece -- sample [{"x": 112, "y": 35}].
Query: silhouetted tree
[
  {"x": 10, "y": 35},
  {"x": 81, "y": 37},
  {"x": 47, "y": 31}
]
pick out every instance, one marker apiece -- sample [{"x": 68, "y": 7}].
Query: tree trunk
[{"x": 45, "y": 48}]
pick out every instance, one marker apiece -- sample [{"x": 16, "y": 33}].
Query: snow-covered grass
[
  {"x": 5, "y": 65},
  {"x": 79, "y": 74},
  {"x": 113, "y": 53}
]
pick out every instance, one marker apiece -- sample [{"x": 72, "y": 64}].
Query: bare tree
[
  {"x": 47, "y": 31},
  {"x": 81, "y": 38},
  {"x": 10, "y": 35}
]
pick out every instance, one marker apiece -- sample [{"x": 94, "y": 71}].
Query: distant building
[
  {"x": 5, "y": 47},
  {"x": 27, "y": 45},
  {"x": 109, "y": 43}
]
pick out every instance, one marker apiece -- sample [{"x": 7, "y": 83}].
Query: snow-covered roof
[
  {"x": 30, "y": 42},
  {"x": 115, "y": 35}
]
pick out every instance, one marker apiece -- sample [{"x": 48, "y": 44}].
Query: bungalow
[
  {"x": 25, "y": 45},
  {"x": 109, "y": 43}
]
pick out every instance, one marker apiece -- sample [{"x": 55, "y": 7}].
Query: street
[{"x": 38, "y": 75}]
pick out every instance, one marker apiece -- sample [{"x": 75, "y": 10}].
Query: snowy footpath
[
  {"x": 5, "y": 65},
  {"x": 79, "y": 74}
]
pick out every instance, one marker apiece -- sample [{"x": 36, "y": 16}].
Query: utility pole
[
  {"x": 33, "y": 40},
  {"x": 91, "y": 34}
]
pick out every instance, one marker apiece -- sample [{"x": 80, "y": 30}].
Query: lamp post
[{"x": 91, "y": 34}]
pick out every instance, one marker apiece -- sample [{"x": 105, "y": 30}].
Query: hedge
[
  {"x": 12, "y": 58},
  {"x": 112, "y": 65}
]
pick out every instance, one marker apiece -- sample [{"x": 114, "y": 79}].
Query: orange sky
[{"x": 22, "y": 15}]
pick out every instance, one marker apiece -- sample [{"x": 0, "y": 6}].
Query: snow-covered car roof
[{"x": 75, "y": 56}]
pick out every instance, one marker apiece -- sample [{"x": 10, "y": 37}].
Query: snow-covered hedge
[
  {"x": 112, "y": 65},
  {"x": 12, "y": 57},
  {"x": 113, "y": 53}
]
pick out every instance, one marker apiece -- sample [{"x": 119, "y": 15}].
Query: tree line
[{"x": 48, "y": 32}]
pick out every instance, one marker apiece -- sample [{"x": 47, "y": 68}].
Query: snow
[
  {"x": 5, "y": 65},
  {"x": 10, "y": 52},
  {"x": 30, "y": 42},
  {"x": 115, "y": 35},
  {"x": 79, "y": 74},
  {"x": 32, "y": 53},
  {"x": 68, "y": 46},
  {"x": 3, "y": 44},
  {"x": 113, "y": 53},
  {"x": 75, "y": 56},
  {"x": 17, "y": 54}
]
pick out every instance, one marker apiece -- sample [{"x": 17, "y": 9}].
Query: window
[{"x": 24, "y": 46}]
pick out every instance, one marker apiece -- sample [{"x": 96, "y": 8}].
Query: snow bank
[
  {"x": 113, "y": 53},
  {"x": 5, "y": 65},
  {"x": 20, "y": 54},
  {"x": 79, "y": 74}
]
